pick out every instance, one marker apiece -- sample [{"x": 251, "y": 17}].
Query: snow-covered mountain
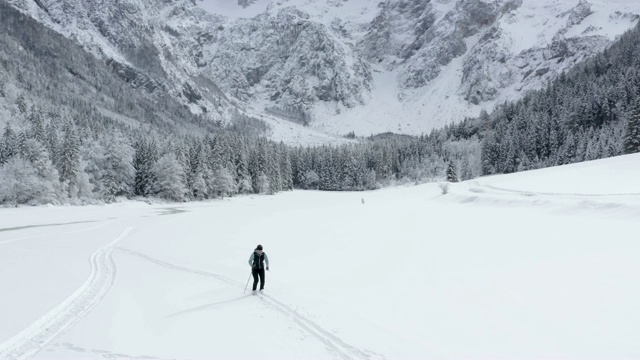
[
  {"x": 367, "y": 66},
  {"x": 426, "y": 63},
  {"x": 152, "y": 44}
]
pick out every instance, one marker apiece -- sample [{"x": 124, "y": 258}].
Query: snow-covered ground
[
  {"x": 295, "y": 134},
  {"x": 542, "y": 264}
]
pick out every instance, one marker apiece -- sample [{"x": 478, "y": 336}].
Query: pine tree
[
  {"x": 51, "y": 142},
  {"x": 39, "y": 158},
  {"x": 168, "y": 178},
  {"x": 263, "y": 184},
  {"x": 9, "y": 145},
  {"x": 466, "y": 173},
  {"x": 21, "y": 103},
  {"x": 69, "y": 159},
  {"x": 243, "y": 178},
  {"x": 224, "y": 183},
  {"x": 20, "y": 184},
  {"x": 119, "y": 162},
  {"x": 3, "y": 80},
  {"x": 451, "y": 172},
  {"x": 286, "y": 170},
  {"x": 632, "y": 135},
  {"x": 195, "y": 177},
  {"x": 275, "y": 169},
  {"x": 199, "y": 187},
  {"x": 37, "y": 126},
  {"x": 109, "y": 187},
  {"x": 143, "y": 164}
]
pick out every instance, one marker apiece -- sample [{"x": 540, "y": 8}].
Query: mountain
[
  {"x": 46, "y": 75},
  {"x": 423, "y": 63},
  {"x": 152, "y": 45},
  {"x": 366, "y": 66}
]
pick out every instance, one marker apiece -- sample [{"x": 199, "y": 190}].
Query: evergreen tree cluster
[
  {"x": 57, "y": 160},
  {"x": 632, "y": 135},
  {"x": 586, "y": 114},
  {"x": 73, "y": 154},
  {"x": 51, "y": 158},
  {"x": 384, "y": 160}
]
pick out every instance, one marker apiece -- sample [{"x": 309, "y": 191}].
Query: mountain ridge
[
  {"x": 366, "y": 67},
  {"x": 437, "y": 62}
]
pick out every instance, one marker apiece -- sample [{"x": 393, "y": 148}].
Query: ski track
[
  {"x": 44, "y": 225},
  {"x": 104, "y": 353},
  {"x": 333, "y": 343},
  {"x": 592, "y": 201},
  {"x": 534, "y": 193},
  {"x": 39, "y": 334},
  {"x": 181, "y": 268},
  {"x": 67, "y": 233}
]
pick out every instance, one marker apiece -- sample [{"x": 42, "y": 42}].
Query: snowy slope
[
  {"x": 367, "y": 66},
  {"x": 539, "y": 264},
  {"x": 433, "y": 62},
  {"x": 324, "y": 11}
]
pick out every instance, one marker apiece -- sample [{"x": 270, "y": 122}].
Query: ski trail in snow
[
  {"x": 209, "y": 306},
  {"x": 45, "y": 225},
  {"x": 49, "y": 235},
  {"x": 35, "y": 337},
  {"x": 181, "y": 268},
  {"x": 84, "y": 352},
  {"x": 532, "y": 193},
  {"x": 333, "y": 343},
  {"x": 497, "y": 194}
]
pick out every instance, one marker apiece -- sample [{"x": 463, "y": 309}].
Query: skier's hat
[{"x": 259, "y": 247}]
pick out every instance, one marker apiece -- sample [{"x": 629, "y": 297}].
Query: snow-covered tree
[
  {"x": 20, "y": 183},
  {"x": 310, "y": 180},
  {"x": 69, "y": 160},
  {"x": 40, "y": 159},
  {"x": 224, "y": 183},
  {"x": 108, "y": 187},
  {"x": 168, "y": 178},
  {"x": 452, "y": 175},
  {"x": 263, "y": 184},
  {"x": 243, "y": 178},
  {"x": 144, "y": 163},
  {"x": 632, "y": 135},
  {"x": 9, "y": 145},
  {"x": 81, "y": 186},
  {"x": 119, "y": 161},
  {"x": 21, "y": 103}
]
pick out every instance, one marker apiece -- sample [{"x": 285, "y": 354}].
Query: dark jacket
[{"x": 257, "y": 261}]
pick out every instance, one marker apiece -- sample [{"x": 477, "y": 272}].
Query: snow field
[{"x": 540, "y": 264}]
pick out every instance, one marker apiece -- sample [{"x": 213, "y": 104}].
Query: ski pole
[{"x": 245, "y": 287}]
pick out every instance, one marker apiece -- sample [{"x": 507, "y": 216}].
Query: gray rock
[{"x": 289, "y": 58}]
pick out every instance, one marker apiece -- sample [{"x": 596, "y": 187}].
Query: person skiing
[{"x": 257, "y": 261}]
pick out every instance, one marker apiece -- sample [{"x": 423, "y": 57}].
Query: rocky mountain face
[
  {"x": 504, "y": 47},
  {"x": 364, "y": 65},
  {"x": 412, "y": 35},
  {"x": 153, "y": 45},
  {"x": 289, "y": 60}
]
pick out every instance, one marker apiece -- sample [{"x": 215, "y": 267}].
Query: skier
[{"x": 257, "y": 261}]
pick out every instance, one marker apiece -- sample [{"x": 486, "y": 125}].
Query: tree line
[
  {"x": 72, "y": 132},
  {"x": 588, "y": 113}
]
